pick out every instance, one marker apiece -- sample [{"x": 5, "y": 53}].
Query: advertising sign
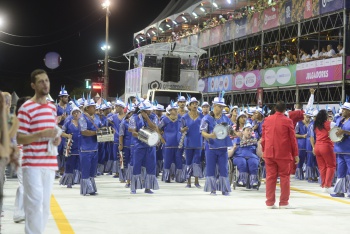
[
  {"x": 203, "y": 85},
  {"x": 330, "y": 5},
  {"x": 320, "y": 71},
  {"x": 270, "y": 18},
  {"x": 246, "y": 80},
  {"x": 288, "y": 12},
  {"x": 219, "y": 83},
  {"x": 278, "y": 76}
]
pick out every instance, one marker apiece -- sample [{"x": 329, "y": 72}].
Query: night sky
[{"x": 74, "y": 29}]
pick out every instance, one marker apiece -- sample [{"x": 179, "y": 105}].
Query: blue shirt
[
  {"x": 208, "y": 124},
  {"x": 193, "y": 139},
  {"x": 89, "y": 143},
  {"x": 343, "y": 147},
  {"x": 171, "y": 132},
  {"x": 70, "y": 128}
]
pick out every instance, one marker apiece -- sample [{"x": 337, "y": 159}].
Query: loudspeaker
[
  {"x": 150, "y": 61},
  {"x": 170, "y": 69}
]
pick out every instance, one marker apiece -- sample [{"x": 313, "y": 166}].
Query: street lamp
[
  {"x": 106, "y": 5},
  {"x": 1, "y": 21},
  {"x": 104, "y": 47}
]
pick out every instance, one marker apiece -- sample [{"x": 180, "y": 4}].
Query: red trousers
[
  {"x": 326, "y": 162},
  {"x": 275, "y": 168}
]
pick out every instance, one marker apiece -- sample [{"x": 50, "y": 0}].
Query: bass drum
[
  {"x": 148, "y": 136},
  {"x": 333, "y": 136},
  {"x": 221, "y": 131}
]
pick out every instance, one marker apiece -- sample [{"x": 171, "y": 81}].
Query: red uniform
[
  {"x": 280, "y": 147},
  {"x": 325, "y": 156}
]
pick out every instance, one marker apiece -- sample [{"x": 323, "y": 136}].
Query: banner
[
  {"x": 215, "y": 35},
  {"x": 219, "y": 83},
  {"x": 203, "y": 85},
  {"x": 204, "y": 39},
  {"x": 288, "y": 12},
  {"x": 194, "y": 40},
  {"x": 227, "y": 31},
  {"x": 320, "y": 71},
  {"x": 246, "y": 80},
  {"x": 240, "y": 27},
  {"x": 308, "y": 9},
  {"x": 347, "y": 69},
  {"x": 278, "y": 76},
  {"x": 254, "y": 25},
  {"x": 269, "y": 18},
  {"x": 330, "y": 5}
]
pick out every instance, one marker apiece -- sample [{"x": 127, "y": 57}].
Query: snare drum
[
  {"x": 105, "y": 135},
  {"x": 148, "y": 136},
  {"x": 221, "y": 131},
  {"x": 334, "y": 136}
]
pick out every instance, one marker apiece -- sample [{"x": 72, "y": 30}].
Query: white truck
[{"x": 145, "y": 80}]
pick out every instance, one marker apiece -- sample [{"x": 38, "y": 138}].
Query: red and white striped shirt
[{"x": 34, "y": 117}]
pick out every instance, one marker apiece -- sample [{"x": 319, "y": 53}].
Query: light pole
[{"x": 105, "y": 5}]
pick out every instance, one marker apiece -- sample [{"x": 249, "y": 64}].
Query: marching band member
[
  {"x": 190, "y": 124},
  {"x": 181, "y": 102},
  {"x": 311, "y": 172},
  {"x": 143, "y": 152},
  {"x": 298, "y": 113},
  {"x": 216, "y": 151},
  {"x": 301, "y": 130},
  {"x": 258, "y": 122},
  {"x": 205, "y": 108},
  {"x": 158, "y": 110},
  {"x": 125, "y": 146},
  {"x": 106, "y": 148},
  {"x": 89, "y": 123},
  {"x": 342, "y": 149},
  {"x": 116, "y": 119},
  {"x": 324, "y": 150},
  {"x": 63, "y": 111},
  {"x": 246, "y": 159},
  {"x": 71, "y": 131},
  {"x": 170, "y": 125}
]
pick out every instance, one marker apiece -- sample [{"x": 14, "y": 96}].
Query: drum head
[
  {"x": 333, "y": 136},
  {"x": 220, "y": 131},
  {"x": 153, "y": 139}
]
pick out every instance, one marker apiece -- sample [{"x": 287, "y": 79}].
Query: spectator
[
  {"x": 330, "y": 51},
  {"x": 340, "y": 50},
  {"x": 40, "y": 152},
  {"x": 323, "y": 53}
]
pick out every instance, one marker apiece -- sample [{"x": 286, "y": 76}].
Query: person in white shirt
[
  {"x": 330, "y": 51},
  {"x": 314, "y": 54},
  {"x": 340, "y": 49},
  {"x": 322, "y": 53}
]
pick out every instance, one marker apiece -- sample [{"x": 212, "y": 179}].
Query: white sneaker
[
  {"x": 287, "y": 207},
  {"x": 272, "y": 207},
  {"x": 18, "y": 219},
  {"x": 240, "y": 183},
  {"x": 329, "y": 190}
]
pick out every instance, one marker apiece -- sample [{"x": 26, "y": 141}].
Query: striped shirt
[{"x": 34, "y": 117}]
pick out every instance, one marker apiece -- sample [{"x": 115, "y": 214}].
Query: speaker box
[
  {"x": 150, "y": 61},
  {"x": 170, "y": 69}
]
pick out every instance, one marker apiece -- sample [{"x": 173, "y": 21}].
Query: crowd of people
[
  {"x": 232, "y": 63},
  {"x": 194, "y": 140}
]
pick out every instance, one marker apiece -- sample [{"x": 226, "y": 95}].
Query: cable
[
  {"x": 50, "y": 34},
  {"x": 50, "y": 43},
  {"x": 109, "y": 60},
  {"x": 116, "y": 69}
]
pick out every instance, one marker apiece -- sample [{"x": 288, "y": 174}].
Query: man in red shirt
[
  {"x": 280, "y": 149},
  {"x": 38, "y": 133}
]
